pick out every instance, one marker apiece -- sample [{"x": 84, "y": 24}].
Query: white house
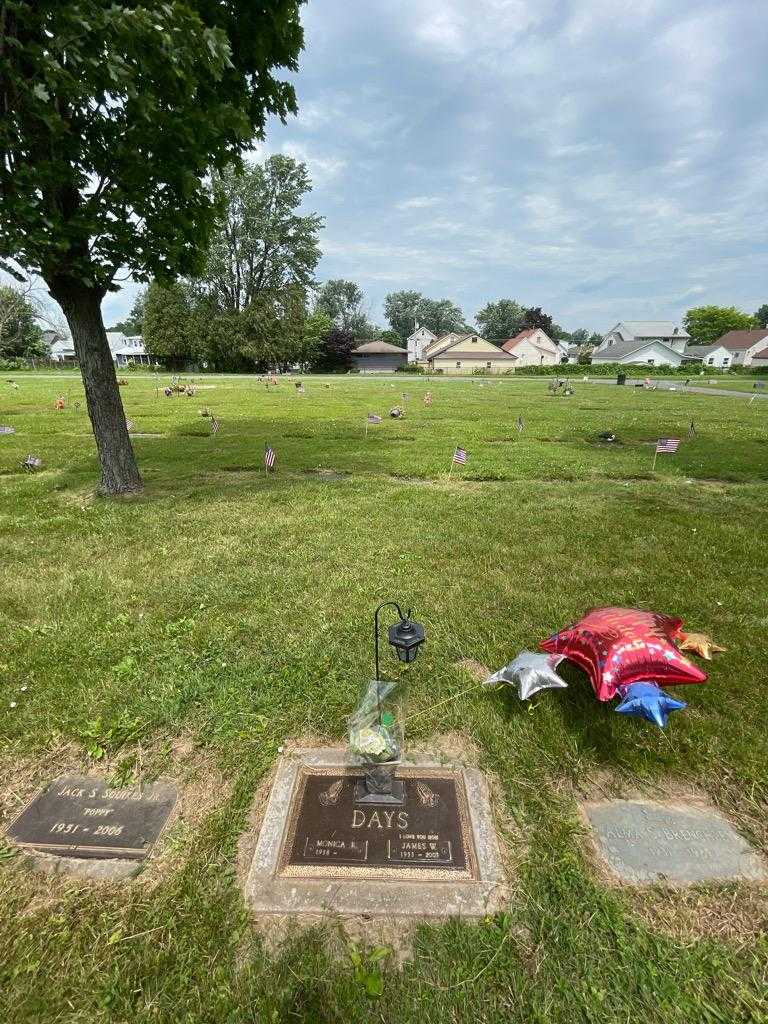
[
  {"x": 717, "y": 356},
  {"x": 127, "y": 349},
  {"x": 744, "y": 345},
  {"x": 534, "y": 347},
  {"x": 647, "y": 342},
  {"x": 60, "y": 349},
  {"x": 421, "y": 338}
]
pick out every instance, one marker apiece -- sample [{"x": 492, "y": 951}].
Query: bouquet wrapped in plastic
[{"x": 376, "y": 725}]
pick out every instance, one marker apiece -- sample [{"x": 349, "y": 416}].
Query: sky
[{"x": 604, "y": 159}]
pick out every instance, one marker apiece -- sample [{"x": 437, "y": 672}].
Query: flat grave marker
[
  {"x": 330, "y": 834},
  {"x": 644, "y": 842},
  {"x": 87, "y": 818}
]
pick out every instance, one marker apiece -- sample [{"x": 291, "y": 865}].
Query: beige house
[
  {"x": 463, "y": 353},
  {"x": 534, "y": 347}
]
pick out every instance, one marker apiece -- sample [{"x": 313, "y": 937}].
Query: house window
[
  {"x": 458, "y": 364},
  {"x": 488, "y": 365},
  {"x": 726, "y": 360},
  {"x": 651, "y": 362},
  {"x": 711, "y": 361},
  {"x": 474, "y": 341}
]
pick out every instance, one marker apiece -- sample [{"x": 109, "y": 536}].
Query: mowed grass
[{"x": 229, "y": 612}]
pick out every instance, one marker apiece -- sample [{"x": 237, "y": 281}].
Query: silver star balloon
[{"x": 532, "y": 672}]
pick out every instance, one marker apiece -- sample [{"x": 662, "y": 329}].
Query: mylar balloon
[{"x": 619, "y": 646}]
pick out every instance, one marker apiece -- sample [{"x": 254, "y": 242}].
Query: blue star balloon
[{"x": 649, "y": 701}]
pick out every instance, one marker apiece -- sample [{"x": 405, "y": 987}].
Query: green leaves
[{"x": 127, "y": 109}]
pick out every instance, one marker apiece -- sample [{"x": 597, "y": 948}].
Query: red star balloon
[{"x": 619, "y": 646}]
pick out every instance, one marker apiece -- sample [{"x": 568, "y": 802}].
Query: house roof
[
  {"x": 633, "y": 329},
  {"x": 737, "y": 341},
  {"x": 620, "y": 349},
  {"x": 761, "y": 355},
  {"x": 701, "y": 350},
  {"x": 378, "y": 348},
  {"x": 527, "y": 332}
]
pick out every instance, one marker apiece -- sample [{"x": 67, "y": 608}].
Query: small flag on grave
[
  {"x": 665, "y": 446},
  {"x": 460, "y": 456},
  {"x": 7, "y": 430},
  {"x": 215, "y": 424},
  {"x": 269, "y": 458},
  {"x": 691, "y": 430},
  {"x": 129, "y": 425},
  {"x": 371, "y": 418},
  {"x": 520, "y": 424}
]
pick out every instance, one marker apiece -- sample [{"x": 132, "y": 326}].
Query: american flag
[
  {"x": 520, "y": 424},
  {"x": 691, "y": 430},
  {"x": 129, "y": 425},
  {"x": 667, "y": 444},
  {"x": 269, "y": 457},
  {"x": 373, "y": 418},
  {"x": 215, "y": 424},
  {"x": 460, "y": 456}
]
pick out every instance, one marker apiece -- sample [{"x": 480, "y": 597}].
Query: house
[
  {"x": 60, "y": 349},
  {"x": 760, "y": 359},
  {"x": 418, "y": 342},
  {"x": 441, "y": 344},
  {"x": 533, "y": 347},
  {"x": 127, "y": 349},
  {"x": 744, "y": 345},
  {"x": 647, "y": 342},
  {"x": 378, "y": 357},
  {"x": 716, "y": 356},
  {"x": 467, "y": 352}
]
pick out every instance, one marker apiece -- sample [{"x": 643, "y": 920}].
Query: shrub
[{"x": 410, "y": 368}]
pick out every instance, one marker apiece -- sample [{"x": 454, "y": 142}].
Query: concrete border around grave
[{"x": 266, "y": 893}]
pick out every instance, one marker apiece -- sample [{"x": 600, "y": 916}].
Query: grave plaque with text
[
  {"x": 86, "y": 817},
  {"x": 427, "y": 836},
  {"x": 646, "y": 842}
]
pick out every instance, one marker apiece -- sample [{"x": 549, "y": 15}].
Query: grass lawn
[
  {"x": 745, "y": 383},
  {"x": 193, "y": 631}
]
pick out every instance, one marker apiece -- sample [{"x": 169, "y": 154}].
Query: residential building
[
  {"x": 60, "y": 349},
  {"x": 126, "y": 349},
  {"x": 744, "y": 345},
  {"x": 534, "y": 347},
  {"x": 441, "y": 344},
  {"x": 646, "y": 342},
  {"x": 468, "y": 352},
  {"x": 716, "y": 356},
  {"x": 378, "y": 357},
  {"x": 417, "y": 342}
]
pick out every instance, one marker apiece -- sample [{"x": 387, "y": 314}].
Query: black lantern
[
  {"x": 379, "y": 786},
  {"x": 406, "y": 637}
]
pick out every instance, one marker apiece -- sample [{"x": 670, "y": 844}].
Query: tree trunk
[{"x": 82, "y": 308}]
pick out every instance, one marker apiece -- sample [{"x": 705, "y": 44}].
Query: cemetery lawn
[{"x": 191, "y": 632}]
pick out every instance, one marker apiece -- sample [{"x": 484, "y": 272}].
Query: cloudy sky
[{"x": 605, "y": 159}]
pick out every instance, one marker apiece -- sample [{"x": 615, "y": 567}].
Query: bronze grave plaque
[
  {"x": 86, "y": 817},
  {"x": 428, "y": 836}
]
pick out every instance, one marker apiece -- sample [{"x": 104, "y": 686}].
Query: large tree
[
  {"x": 112, "y": 114},
  {"x": 501, "y": 320},
  {"x": 706, "y": 324},
  {"x": 441, "y": 316},
  {"x": 536, "y": 317},
  {"x": 20, "y": 334},
  {"x": 342, "y": 301},
  {"x": 167, "y": 323},
  {"x": 261, "y": 242},
  {"x": 402, "y": 311},
  {"x": 761, "y": 316}
]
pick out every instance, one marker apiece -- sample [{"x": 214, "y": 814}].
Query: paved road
[{"x": 669, "y": 385}]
